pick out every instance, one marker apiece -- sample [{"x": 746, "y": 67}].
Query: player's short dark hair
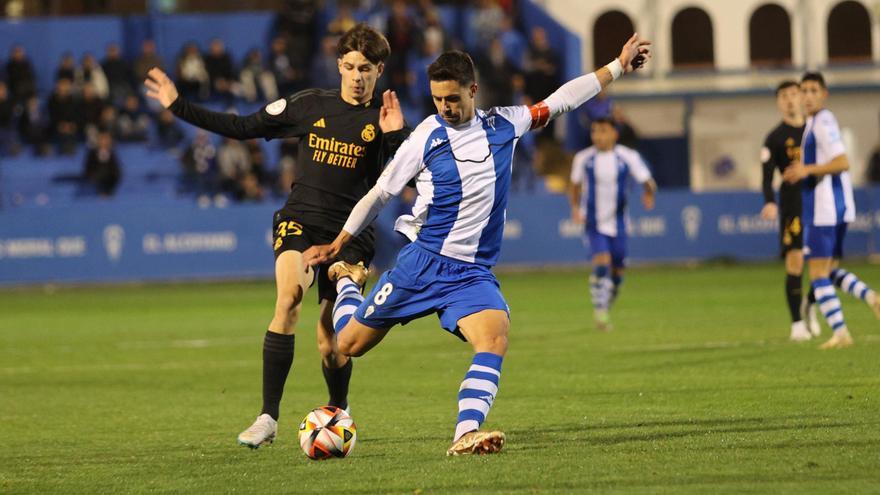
[
  {"x": 788, "y": 83},
  {"x": 363, "y": 38},
  {"x": 603, "y": 120},
  {"x": 454, "y": 65},
  {"x": 814, "y": 76}
]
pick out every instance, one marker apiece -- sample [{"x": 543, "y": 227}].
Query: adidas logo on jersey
[
  {"x": 319, "y": 123},
  {"x": 437, "y": 142}
]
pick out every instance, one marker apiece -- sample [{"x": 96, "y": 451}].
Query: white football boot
[
  {"x": 262, "y": 432},
  {"x": 799, "y": 332},
  {"x": 809, "y": 314}
]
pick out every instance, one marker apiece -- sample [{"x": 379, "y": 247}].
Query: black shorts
[
  {"x": 288, "y": 234},
  {"x": 791, "y": 233}
]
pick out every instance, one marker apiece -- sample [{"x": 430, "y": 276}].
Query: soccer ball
[{"x": 327, "y": 432}]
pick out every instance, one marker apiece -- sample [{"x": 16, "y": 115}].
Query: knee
[
  {"x": 288, "y": 303},
  {"x": 498, "y": 345},
  {"x": 350, "y": 347},
  {"x": 325, "y": 347}
]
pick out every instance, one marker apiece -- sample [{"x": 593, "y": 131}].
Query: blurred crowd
[{"x": 97, "y": 103}]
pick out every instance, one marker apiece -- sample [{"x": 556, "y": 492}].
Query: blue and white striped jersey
[
  {"x": 827, "y": 200},
  {"x": 603, "y": 176},
  {"x": 462, "y": 176}
]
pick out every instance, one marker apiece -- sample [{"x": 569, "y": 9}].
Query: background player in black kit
[
  {"x": 345, "y": 139},
  {"x": 781, "y": 147}
]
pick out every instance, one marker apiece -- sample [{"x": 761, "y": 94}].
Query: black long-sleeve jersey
[
  {"x": 781, "y": 147},
  {"x": 342, "y": 150}
]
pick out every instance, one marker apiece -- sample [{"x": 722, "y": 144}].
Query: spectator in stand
[
  {"x": 257, "y": 82},
  {"x": 542, "y": 72},
  {"x": 514, "y": 42},
  {"x": 257, "y": 159},
  {"x": 233, "y": 161},
  {"x": 66, "y": 68},
  {"x": 20, "y": 75},
  {"x": 496, "y": 76},
  {"x": 192, "y": 76},
  {"x": 168, "y": 130},
  {"x": 249, "y": 189},
  {"x": 486, "y": 22},
  {"x": 526, "y": 153},
  {"x": 431, "y": 25},
  {"x": 33, "y": 126},
  {"x": 325, "y": 70},
  {"x": 9, "y": 145},
  {"x": 287, "y": 76},
  {"x": 90, "y": 72},
  {"x": 543, "y": 67},
  {"x": 343, "y": 21},
  {"x": 286, "y": 166},
  {"x": 402, "y": 34},
  {"x": 118, "y": 72},
  {"x": 101, "y": 168},
  {"x": 107, "y": 122},
  {"x": 296, "y": 25},
  {"x": 197, "y": 166},
  {"x": 221, "y": 72},
  {"x": 626, "y": 134},
  {"x": 419, "y": 87},
  {"x": 133, "y": 123},
  {"x": 146, "y": 61},
  {"x": 64, "y": 116},
  {"x": 91, "y": 108}
]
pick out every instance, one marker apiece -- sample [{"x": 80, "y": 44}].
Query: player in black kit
[
  {"x": 345, "y": 138},
  {"x": 782, "y": 147}
]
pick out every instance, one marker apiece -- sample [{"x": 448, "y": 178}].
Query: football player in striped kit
[
  {"x": 461, "y": 160},
  {"x": 598, "y": 195},
  {"x": 828, "y": 208}
]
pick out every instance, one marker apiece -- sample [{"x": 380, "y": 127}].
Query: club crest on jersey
[
  {"x": 369, "y": 133},
  {"x": 276, "y": 107}
]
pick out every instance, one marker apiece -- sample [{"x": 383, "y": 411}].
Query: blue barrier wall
[{"x": 178, "y": 241}]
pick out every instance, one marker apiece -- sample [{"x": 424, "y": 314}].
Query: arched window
[
  {"x": 849, "y": 33},
  {"x": 692, "y": 40},
  {"x": 770, "y": 37},
  {"x": 610, "y": 32}
]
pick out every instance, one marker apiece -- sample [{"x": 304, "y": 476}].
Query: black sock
[
  {"x": 337, "y": 384},
  {"x": 811, "y": 296},
  {"x": 794, "y": 293},
  {"x": 277, "y": 358}
]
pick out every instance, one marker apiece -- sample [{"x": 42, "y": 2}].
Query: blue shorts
[
  {"x": 824, "y": 242},
  {"x": 601, "y": 243},
  {"x": 422, "y": 283}
]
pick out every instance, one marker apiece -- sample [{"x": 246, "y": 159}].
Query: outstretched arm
[
  {"x": 576, "y": 92},
  {"x": 162, "y": 89}
]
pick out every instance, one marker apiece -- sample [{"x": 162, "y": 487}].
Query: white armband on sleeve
[
  {"x": 573, "y": 94},
  {"x": 366, "y": 210}
]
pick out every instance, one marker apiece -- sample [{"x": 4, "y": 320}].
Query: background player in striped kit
[
  {"x": 598, "y": 195},
  {"x": 828, "y": 208},
  {"x": 782, "y": 147},
  {"x": 461, "y": 160}
]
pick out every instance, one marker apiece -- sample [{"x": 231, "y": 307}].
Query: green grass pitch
[{"x": 697, "y": 390}]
